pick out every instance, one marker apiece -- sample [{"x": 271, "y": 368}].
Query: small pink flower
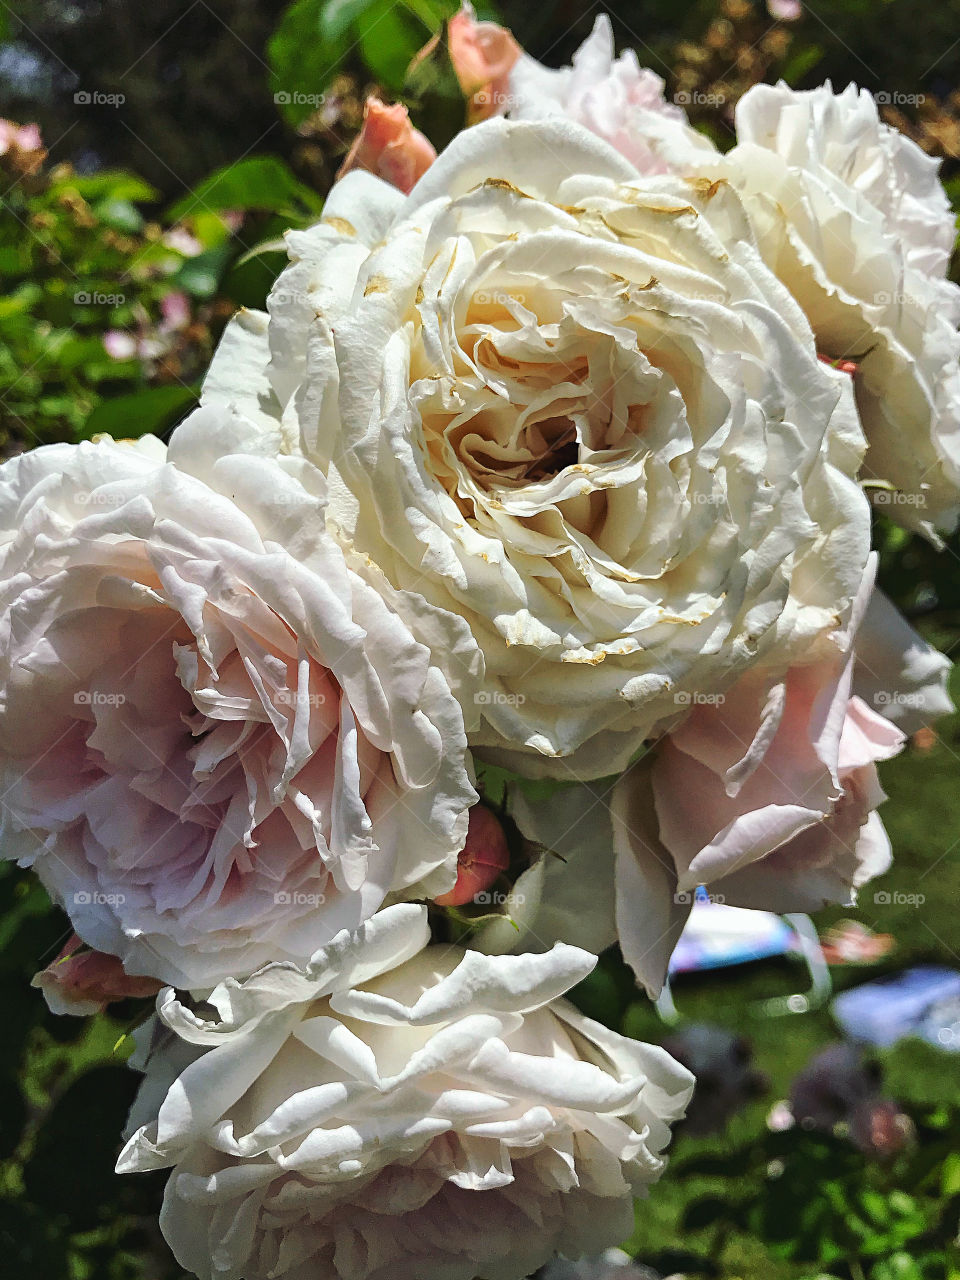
[
  {"x": 483, "y": 55},
  {"x": 389, "y": 146},
  {"x": 81, "y": 981},
  {"x": 785, "y": 10},
  {"x": 19, "y": 137},
  {"x": 120, "y": 345},
  {"x": 175, "y": 309},
  {"x": 483, "y": 859}
]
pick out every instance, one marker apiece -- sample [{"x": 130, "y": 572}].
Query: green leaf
[
  {"x": 201, "y": 276},
  {"x": 141, "y": 412},
  {"x": 111, "y": 184},
  {"x": 390, "y": 36},
  {"x": 258, "y": 182},
  {"x": 302, "y": 62},
  {"x": 121, "y": 215},
  {"x": 337, "y": 17}
]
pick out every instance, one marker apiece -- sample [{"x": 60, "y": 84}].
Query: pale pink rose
[
  {"x": 483, "y": 55},
  {"x": 766, "y": 796},
  {"x": 219, "y": 745},
  {"x": 389, "y": 146},
  {"x": 81, "y": 981},
  {"x": 615, "y": 98}
]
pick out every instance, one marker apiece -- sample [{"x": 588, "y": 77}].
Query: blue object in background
[{"x": 923, "y": 1001}]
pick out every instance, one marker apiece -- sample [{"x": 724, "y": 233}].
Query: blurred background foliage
[{"x": 177, "y": 142}]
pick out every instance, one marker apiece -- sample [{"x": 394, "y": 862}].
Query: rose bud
[
  {"x": 389, "y": 146},
  {"x": 483, "y": 55},
  {"x": 82, "y": 981},
  {"x": 482, "y": 859}
]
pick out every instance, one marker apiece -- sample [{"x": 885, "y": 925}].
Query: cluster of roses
[{"x": 555, "y": 462}]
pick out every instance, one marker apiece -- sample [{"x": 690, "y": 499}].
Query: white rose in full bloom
[
  {"x": 219, "y": 746},
  {"x": 392, "y": 1113},
  {"x": 573, "y": 407},
  {"x": 615, "y": 98},
  {"x": 853, "y": 219}
]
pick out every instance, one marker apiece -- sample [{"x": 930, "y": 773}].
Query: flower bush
[{"x": 513, "y": 582}]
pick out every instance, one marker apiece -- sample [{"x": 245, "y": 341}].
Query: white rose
[
  {"x": 575, "y": 408},
  {"x": 615, "y": 98},
  {"x": 219, "y": 745},
  {"x": 388, "y": 1113},
  {"x": 853, "y": 219}
]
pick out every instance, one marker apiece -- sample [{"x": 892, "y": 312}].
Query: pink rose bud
[
  {"x": 81, "y": 981},
  {"x": 482, "y": 860},
  {"x": 483, "y": 55},
  {"x": 389, "y": 146}
]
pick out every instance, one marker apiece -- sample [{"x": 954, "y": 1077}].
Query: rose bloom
[
  {"x": 573, "y": 407},
  {"x": 219, "y": 744},
  {"x": 615, "y": 98},
  {"x": 766, "y": 795},
  {"x": 390, "y": 1113},
  {"x": 852, "y": 217}
]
